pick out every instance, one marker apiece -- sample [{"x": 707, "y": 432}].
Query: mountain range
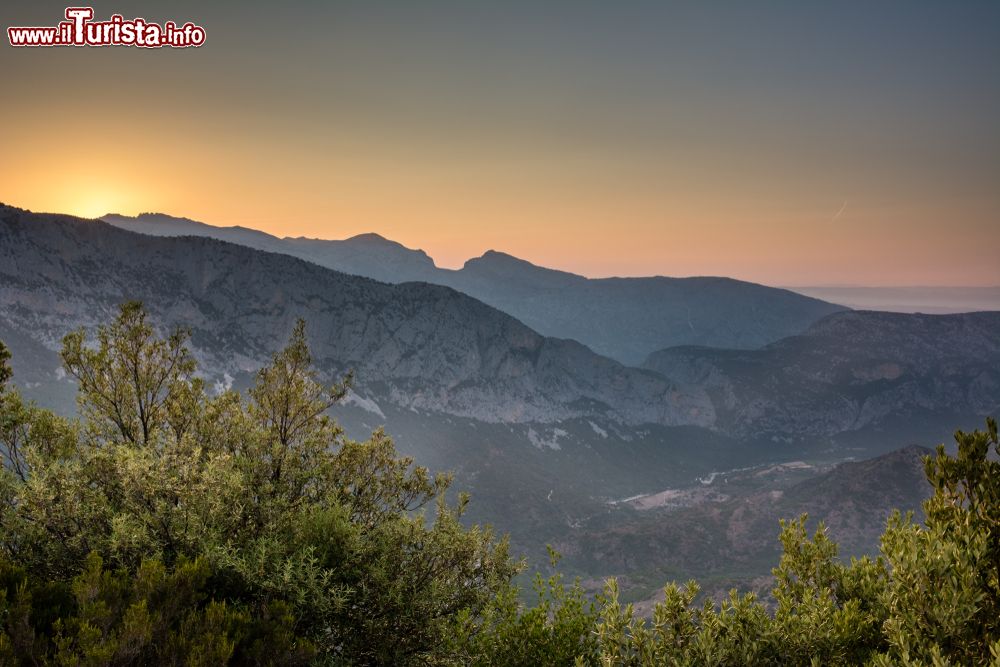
[
  {"x": 547, "y": 433},
  {"x": 421, "y": 346},
  {"x": 622, "y": 318}
]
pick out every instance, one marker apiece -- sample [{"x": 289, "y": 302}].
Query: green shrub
[{"x": 300, "y": 537}]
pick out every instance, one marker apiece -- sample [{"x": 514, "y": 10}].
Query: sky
[{"x": 788, "y": 143}]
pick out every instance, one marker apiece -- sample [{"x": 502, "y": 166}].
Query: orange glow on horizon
[
  {"x": 607, "y": 162},
  {"x": 655, "y": 238}
]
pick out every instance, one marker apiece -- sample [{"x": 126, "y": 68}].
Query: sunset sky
[{"x": 789, "y": 143}]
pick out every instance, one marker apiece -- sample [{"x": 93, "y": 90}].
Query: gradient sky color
[{"x": 788, "y": 143}]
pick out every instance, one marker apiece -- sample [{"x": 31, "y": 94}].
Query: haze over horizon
[{"x": 849, "y": 144}]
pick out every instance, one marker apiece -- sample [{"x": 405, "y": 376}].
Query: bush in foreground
[{"x": 272, "y": 523}]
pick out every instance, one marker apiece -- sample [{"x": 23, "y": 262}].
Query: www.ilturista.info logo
[{"x": 79, "y": 30}]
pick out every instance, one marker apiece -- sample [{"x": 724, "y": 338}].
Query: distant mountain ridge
[
  {"x": 623, "y": 318},
  {"x": 369, "y": 255}
]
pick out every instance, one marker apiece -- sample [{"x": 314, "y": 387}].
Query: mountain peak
[
  {"x": 499, "y": 254},
  {"x": 370, "y": 237},
  {"x": 498, "y": 258}
]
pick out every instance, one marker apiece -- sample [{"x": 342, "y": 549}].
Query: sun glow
[
  {"x": 95, "y": 202},
  {"x": 88, "y": 199},
  {"x": 93, "y": 208}
]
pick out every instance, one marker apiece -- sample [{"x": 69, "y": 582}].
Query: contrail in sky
[{"x": 837, "y": 214}]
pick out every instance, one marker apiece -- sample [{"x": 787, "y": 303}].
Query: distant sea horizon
[{"x": 930, "y": 300}]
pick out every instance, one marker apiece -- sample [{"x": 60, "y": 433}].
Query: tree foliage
[
  {"x": 5, "y": 371},
  {"x": 557, "y": 630},
  {"x": 260, "y": 503},
  {"x": 943, "y": 596}
]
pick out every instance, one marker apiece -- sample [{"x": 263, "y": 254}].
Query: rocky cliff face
[
  {"x": 849, "y": 371},
  {"x": 420, "y": 346}
]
